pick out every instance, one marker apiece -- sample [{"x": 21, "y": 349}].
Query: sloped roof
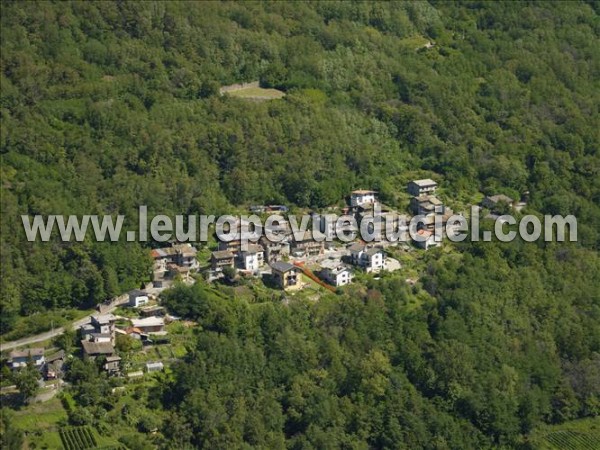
[
  {"x": 282, "y": 266},
  {"x": 357, "y": 247},
  {"x": 373, "y": 251},
  {"x": 222, "y": 254},
  {"x": 27, "y": 353},
  {"x": 104, "y": 318},
  {"x": 138, "y": 293},
  {"x": 500, "y": 198},
  {"x": 424, "y": 182},
  {"x": 152, "y": 321},
  {"x": 97, "y": 348},
  {"x": 254, "y": 248}
]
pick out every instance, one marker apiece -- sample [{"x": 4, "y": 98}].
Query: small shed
[{"x": 155, "y": 366}]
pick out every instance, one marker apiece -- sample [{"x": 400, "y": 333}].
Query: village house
[
  {"x": 112, "y": 364},
  {"x": 230, "y": 246},
  {"x": 91, "y": 350},
  {"x": 378, "y": 225},
  {"x": 104, "y": 323},
  {"x": 426, "y": 239},
  {"x": 86, "y": 331},
  {"x": 369, "y": 257},
  {"x": 134, "y": 333},
  {"x": 153, "y": 311},
  {"x": 54, "y": 365},
  {"x": 19, "y": 358},
  {"x": 325, "y": 223},
  {"x": 278, "y": 229},
  {"x": 138, "y": 298},
  {"x": 182, "y": 255},
  {"x": 274, "y": 251},
  {"x": 100, "y": 337},
  {"x": 426, "y": 204},
  {"x": 494, "y": 201},
  {"x": 149, "y": 325},
  {"x": 335, "y": 273},
  {"x": 252, "y": 258},
  {"x": 185, "y": 255},
  {"x": 362, "y": 197},
  {"x": 305, "y": 245},
  {"x": 421, "y": 187},
  {"x": 287, "y": 276},
  {"x": 221, "y": 259}
]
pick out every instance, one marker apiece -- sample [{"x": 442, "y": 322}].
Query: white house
[
  {"x": 370, "y": 258},
  {"x": 100, "y": 337},
  {"x": 362, "y": 197},
  {"x": 426, "y": 240},
  {"x": 104, "y": 323},
  {"x": 420, "y": 187},
  {"x": 19, "y": 359},
  {"x": 138, "y": 298},
  {"x": 337, "y": 276},
  {"x": 252, "y": 258}
]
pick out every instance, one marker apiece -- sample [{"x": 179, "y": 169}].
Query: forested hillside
[{"x": 106, "y": 106}]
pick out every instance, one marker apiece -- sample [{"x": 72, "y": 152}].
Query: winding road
[{"x": 56, "y": 332}]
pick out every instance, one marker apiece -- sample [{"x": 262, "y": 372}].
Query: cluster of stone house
[
  {"x": 178, "y": 259},
  {"x": 49, "y": 366},
  {"x": 98, "y": 337},
  {"x": 425, "y": 203},
  {"x": 369, "y": 257}
]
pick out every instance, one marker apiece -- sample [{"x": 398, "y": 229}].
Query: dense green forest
[{"x": 106, "y": 106}]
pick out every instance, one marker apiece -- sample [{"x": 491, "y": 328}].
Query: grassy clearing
[
  {"x": 257, "y": 93},
  {"x": 40, "y": 323},
  {"x": 40, "y": 415},
  {"x": 40, "y": 422}
]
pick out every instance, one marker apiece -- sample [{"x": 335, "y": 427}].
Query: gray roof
[
  {"x": 137, "y": 293},
  {"x": 97, "y": 348},
  {"x": 337, "y": 270},
  {"x": 424, "y": 182},
  {"x": 104, "y": 319},
  {"x": 101, "y": 335},
  {"x": 222, "y": 254},
  {"x": 356, "y": 247},
  {"x": 152, "y": 321},
  {"x": 27, "y": 353},
  {"x": 56, "y": 356},
  {"x": 373, "y": 250},
  {"x": 500, "y": 198},
  {"x": 282, "y": 266},
  {"x": 254, "y": 248}
]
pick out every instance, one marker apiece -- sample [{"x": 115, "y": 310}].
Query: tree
[
  {"x": 11, "y": 438},
  {"x": 66, "y": 341},
  {"x": 26, "y": 381},
  {"x": 230, "y": 273}
]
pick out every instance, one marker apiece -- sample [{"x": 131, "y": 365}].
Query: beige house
[
  {"x": 287, "y": 276},
  {"x": 420, "y": 187}
]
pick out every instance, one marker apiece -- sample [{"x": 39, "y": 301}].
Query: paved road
[{"x": 50, "y": 334}]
